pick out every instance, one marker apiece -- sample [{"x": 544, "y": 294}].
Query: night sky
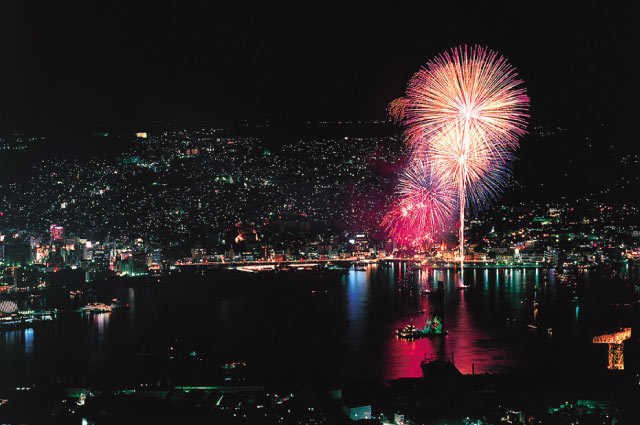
[{"x": 81, "y": 65}]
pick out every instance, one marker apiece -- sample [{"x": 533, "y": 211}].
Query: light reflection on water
[
  {"x": 28, "y": 341},
  {"x": 344, "y": 329},
  {"x": 357, "y": 300},
  {"x": 469, "y": 341}
]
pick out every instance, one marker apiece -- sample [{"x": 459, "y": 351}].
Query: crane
[{"x": 616, "y": 343}]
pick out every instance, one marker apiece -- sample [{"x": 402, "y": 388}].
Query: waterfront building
[
  {"x": 358, "y": 413},
  {"x": 17, "y": 253}
]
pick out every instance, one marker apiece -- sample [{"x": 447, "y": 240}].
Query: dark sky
[{"x": 77, "y": 65}]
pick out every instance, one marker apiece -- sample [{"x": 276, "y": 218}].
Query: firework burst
[
  {"x": 479, "y": 173},
  {"x": 471, "y": 89},
  {"x": 464, "y": 113},
  {"x": 425, "y": 206}
]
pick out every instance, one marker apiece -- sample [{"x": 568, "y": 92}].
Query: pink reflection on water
[
  {"x": 471, "y": 345},
  {"x": 101, "y": 324}
]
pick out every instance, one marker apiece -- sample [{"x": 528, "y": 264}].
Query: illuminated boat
[
  {"x": 433, "y": 327},
  {"x": 408, "y": 332},
  {"x": 26, "y": 319},
  {"x": 96, "y": 308},
  {"x": 360, "y": 266}
]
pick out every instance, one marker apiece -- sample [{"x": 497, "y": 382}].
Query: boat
[
  {"x": 433, "y": 327},
  {"x": 360, "y": 266},
  {"x": 96, "y": 308},
  {"x": 26, "y": 319},
  {"x": 408, "y": 332}
]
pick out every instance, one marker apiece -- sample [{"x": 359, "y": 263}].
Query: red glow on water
[{"x": 471, "y": 345}]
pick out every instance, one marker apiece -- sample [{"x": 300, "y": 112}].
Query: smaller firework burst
[
  {"x": 478, "y": 172},
  {"x": 464, "y": 113},
  {"x": 425, "y": 206}
]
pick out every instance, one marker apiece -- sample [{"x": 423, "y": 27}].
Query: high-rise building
[
  {"x": 360, "y": 243},
  {"x": 358, "y": 413},
  {"x": 17, "y": 253},
  {"x": 57, "y": 232},
  {"x": 156, "y": 256}
]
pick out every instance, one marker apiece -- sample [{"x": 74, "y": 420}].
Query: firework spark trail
[
  {"x": 465, "y": 112},
  {"x": 396, "y": 109},
  {"x": 425, "y": 207}
]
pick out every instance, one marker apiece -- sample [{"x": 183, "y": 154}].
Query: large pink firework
[
  {"x": 425, "y": 206},
  {"x": 471, "y": 89},
  {"x": 465, "y": 112}
]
